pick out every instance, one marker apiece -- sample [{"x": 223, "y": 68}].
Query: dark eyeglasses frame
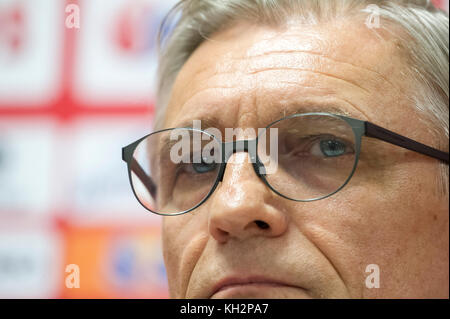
[{"x": 360, "y": 128}]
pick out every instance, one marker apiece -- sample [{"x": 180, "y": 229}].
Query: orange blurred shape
[{"x": 115, "y": 262}]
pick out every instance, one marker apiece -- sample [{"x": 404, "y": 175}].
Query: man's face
[{"x": 390, "y": 214}]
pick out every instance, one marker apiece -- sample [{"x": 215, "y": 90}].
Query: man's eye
[
  {"x": 201, "y": 168},
  {"x": 330, "y": 148},
  {"x": 321, "y": 146},
  {"x": 200, "y": 165}
]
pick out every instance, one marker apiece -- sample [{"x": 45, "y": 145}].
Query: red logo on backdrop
[
  {"x": 438, "y": 3},
  {"x": 442, "y": 4},
  {"x": 136, "y": 28},
  {"x": 12, "y": 28}
]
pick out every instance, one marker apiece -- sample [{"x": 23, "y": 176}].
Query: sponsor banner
[
  {"x": 31, "y": 43},
  {"x": 114, "y": 262},
  {"x": 116, "y": 56},
  {"x": 30, "y": 262},
  {"x": 27, "y": 148},
  {"x": 96, "y": 187}
]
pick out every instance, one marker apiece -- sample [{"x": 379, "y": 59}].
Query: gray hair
[{"x": 427, "y": 43}]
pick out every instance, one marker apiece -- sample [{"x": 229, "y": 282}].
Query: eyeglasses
[{"x": 312, "y": 156}]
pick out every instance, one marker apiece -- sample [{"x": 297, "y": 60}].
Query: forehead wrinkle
[
  {"x": 236, "y": 99},
  {"x": 209, "y": 83},
  {"x": 214, "y": 121},
  {"x": 206, "y": 89},
  {"x": 312, "y": 71},
  {"x": 323, "y": 56},
  {"x": 293, "y": 61},
  {"x": 319, "y": 48},
  {"x": 212, "y": 75},
  {"x": 276, "y": 110},
  {"x": 245, "y": 65},
  {"x": 316, "y": 40}
]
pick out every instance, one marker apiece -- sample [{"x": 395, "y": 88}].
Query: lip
[{"x": 236, "y": 282}]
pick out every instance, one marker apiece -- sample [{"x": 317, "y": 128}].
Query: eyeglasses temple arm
[
  {"x": 372, "y": 130},
  {"x": 142, "y": 175}
]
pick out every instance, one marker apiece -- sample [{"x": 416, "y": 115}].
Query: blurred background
[
  {"x": 70, "y": 99},
  {"x": 72, "y": 94}
]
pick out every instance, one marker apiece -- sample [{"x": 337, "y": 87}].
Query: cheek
[
  {"x": 173, "y": 244},
  {"x": 184, "y": 238},
  {"x": 389, "y": 224},
  {"x": 169, "y": 229}
]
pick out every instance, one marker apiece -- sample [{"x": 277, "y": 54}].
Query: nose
[{"x": 243, "y": 206}]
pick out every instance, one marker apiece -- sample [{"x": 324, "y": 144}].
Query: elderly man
[{"x": 351, "y": 209}]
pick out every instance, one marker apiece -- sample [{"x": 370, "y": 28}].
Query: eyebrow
[
  {"x": 206, "y": 122},
  {"x": 312, "y": 109},
  {"x": 165, "y": 144},
  {"x": 211, "y": 121}
]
